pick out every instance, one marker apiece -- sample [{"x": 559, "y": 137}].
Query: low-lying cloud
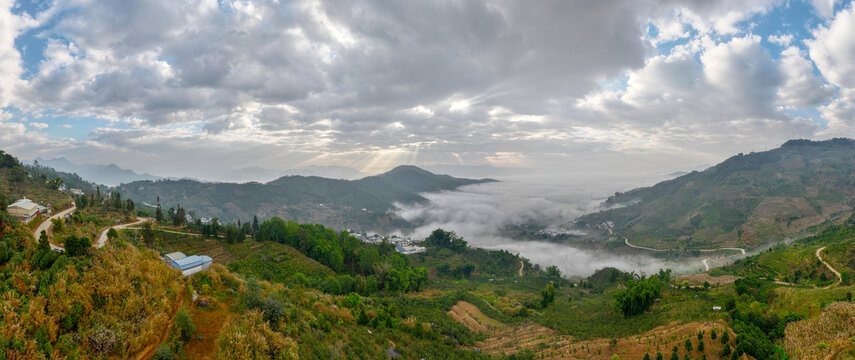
[{"x": 480, "y": 212}]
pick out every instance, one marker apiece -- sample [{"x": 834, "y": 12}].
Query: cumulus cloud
[
  {"x": 781, "y": 39},
  {"x": 833, "y": 52},
  {"x": 38, "y": 125},
  {"x": 802, "y": 87},
  {"x": 824, "y": 8},
  {"x": 367, "y": 84}
]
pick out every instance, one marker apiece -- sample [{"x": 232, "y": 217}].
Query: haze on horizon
[{"x": 206, "y": 88}]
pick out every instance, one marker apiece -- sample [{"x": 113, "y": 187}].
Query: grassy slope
[
  {"x": 33, "y": 189},
  {"x": 266, "y": 260},
  {"x": 745, "y": 201}
]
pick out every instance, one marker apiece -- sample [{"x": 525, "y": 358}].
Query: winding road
[
  {"x": 839, "y": 277},
  {"x": 704, "y": 261},
  {"x": 47, "y": 226},
  {"x": 522, "y": 265},
  {"x": 102, "y": 239}
]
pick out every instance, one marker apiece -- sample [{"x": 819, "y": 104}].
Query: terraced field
[{"x": 545, "y": 343}]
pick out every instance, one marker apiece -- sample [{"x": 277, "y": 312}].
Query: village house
[{"x": 26, "y": 209}]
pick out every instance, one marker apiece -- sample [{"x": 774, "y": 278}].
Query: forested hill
[
  {"x": 360, "y": 204},
  {"x": 745, "y": 201}
]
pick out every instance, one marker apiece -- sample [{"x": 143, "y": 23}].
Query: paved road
[
  {"x": 839, "y": 277},
  {"x": 102, "y": 240},
  {"x": 626, "y": 240},
  {"x": 522, "y": 265},
  {"x": 166, "y": 231},
  {"x": 47, "y": 225},
  {"x": 706, "y": 265}
]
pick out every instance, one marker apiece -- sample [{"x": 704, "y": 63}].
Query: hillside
[
  {"x": 17, "y": 181},
  {"x": 745, "y": 201},
  {"x": 359, "y": 204}
]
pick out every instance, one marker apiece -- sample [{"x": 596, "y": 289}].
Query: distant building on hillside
[
  {"x": 26, "y": 209},
  {"x": 188, "y": 264},
  {"x": 408, "y": 250},
  {"x": 76, "y": 192}
]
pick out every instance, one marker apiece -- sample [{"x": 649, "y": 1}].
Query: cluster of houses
[
  {"x": 403, "y": 245},
  {"x": 26, "y": 210},
  {"x": 188, "y": 265}
]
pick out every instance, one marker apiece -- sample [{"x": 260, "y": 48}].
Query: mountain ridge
[
  {"x": 746, "y": 200},
  {"x": 364, "y": 204}
]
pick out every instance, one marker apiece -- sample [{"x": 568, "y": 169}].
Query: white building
[
  {"x": 410, "y": 249},
  {"x": 188, "y": 265}
]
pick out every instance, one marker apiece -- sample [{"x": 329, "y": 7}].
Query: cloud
[
  {"x": 364, "y": 84},
  {"x": 833, "y": 52},
  {"x": 801, "y": 88},
  {"x": 824, "y": 8},
  {"x": 38, "y": 125},
  {"x": 704, "y": 97},
  {"x": 781, "y": 39}
]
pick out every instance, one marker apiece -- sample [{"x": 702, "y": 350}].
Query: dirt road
[
  {"x": 47, "y": 225},
  {"x": 102, "y": 239},
  {"x": 839, "y": 277}
]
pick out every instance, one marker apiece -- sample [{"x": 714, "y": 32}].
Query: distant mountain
[
  {"x": 745, "y": 201},
  {"x": 265, "y": 174},
  {"x": 110, "y": 175},
  {"x": 363, "y": 204}
]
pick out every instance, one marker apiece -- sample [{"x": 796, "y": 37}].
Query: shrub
[
  {"x": 272, "y": 310},
  {"x": 184, "y": 325},
  {"x": 76, "y": 246},
  {"x": 163, "y": 352}
]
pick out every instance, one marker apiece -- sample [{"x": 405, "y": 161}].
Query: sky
[{"x": 204, "y": 88}]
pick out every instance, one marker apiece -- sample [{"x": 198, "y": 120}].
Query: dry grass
[
  {"x": 546, "y": 344},
  {"x": 830, "y": 333}
]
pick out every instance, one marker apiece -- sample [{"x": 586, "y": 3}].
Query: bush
[
  {"x": 163, "y": 352},
  {"x": 76, "y": 246},
  {"x": 272, "y": 310},
  {"x": 184, "y": 325}
]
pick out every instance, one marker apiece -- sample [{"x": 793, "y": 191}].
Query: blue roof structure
[{"x": 192, "y": 261}]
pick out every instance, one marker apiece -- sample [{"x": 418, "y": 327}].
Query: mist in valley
[{"x": 479, "y": 213}]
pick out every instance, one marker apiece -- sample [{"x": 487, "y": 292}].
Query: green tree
[
  {"x": 688, "y": 345},
  {"x": 638, "y": 296},
  {"x": 112, "y": 234},
  {"x": 713, "y": 335},
  {"x": 701, "y": 346},
  {"x": 547, "y": 295},
  {"x": 725, "y": 337},
  {"x": 659, "y": 356},
  {"x": 147, "y": 235},
  {"x": 44, "y": 243},
  {"x": 76, "y": 246},
  {"x": 553, "y": 272},
  {"x": 646, "y": 356}
]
